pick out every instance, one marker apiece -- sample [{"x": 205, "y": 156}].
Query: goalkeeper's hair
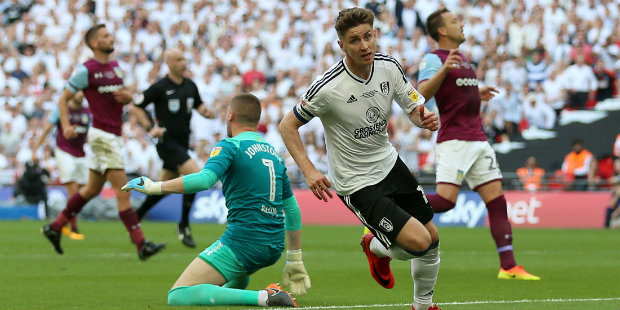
[
  {"x": 91, "y": 33},
  {"x": 247, "y": 108},
  {"x": 352, "y": 17},
  {"x": 434, "y": 21}
]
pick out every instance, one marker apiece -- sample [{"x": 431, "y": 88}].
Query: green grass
[{"x": 103, "y": 272}]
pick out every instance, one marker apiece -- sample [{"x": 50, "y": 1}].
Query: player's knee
[
  {"x": 432, "y": 248},
  {"x": 416, "y": 243},
  {"x": 175, "y": 296}
]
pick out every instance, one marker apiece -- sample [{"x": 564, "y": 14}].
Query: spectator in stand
[
  {"x": 536, "y": 111},
  {"x": 576, "y": 164},
  {"x": 606, "y": 81},
  {"x": 580, "y": 82},
  {"x": 531, "y": 176},
  {"x": 536, "y": 68},
  {"x": 555, "y": 95}
]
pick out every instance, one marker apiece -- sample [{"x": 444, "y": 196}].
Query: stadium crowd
[{"x": 544, "y": 56}]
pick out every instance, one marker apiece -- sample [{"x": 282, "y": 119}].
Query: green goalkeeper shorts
[{"x": 222, "y": 258}]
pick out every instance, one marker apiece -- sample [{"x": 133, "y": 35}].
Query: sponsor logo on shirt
[
  {"x": 169, "y": 92},
  {"x": 269, "y": 210},
  {"x": 466, "y": 82},
  {"x": 108, "y": 88}
]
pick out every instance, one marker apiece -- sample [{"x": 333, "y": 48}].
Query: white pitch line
[{"x": 477, "y": 302}]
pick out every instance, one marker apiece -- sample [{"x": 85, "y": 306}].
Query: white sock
[
  {"x": 424, "y": 272},
  {"x": 378, "y": 248},
  {"x": 262, "y": 298}
]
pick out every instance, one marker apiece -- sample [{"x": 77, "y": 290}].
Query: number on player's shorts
[
  {"x": 491, "y": 162},
  {"x": 272, "y": 179}
]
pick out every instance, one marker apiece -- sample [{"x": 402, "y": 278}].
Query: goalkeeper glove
[
  {"x": 295, "y": 275},
  {"x": 143, "y": 185}
]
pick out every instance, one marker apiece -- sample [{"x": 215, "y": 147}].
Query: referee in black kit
[{"x": 174, "y": 97}]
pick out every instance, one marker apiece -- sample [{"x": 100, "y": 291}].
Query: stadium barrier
[{"x": 539, "y": 210}]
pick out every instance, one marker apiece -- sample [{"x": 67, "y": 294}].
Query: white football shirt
[{"x": 355, "y": 115}]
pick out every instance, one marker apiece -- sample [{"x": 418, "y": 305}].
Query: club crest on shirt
[
  {"x": 174, "y": 105},
  {"x": 385, "y": 87},
  {"x": 118, "y": 72},
  {"x": 215, "y": 151}
]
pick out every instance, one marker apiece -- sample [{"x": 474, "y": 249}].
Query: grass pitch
[{"x": 580, "y": 269}]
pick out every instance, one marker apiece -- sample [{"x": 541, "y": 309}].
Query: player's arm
[
  {"x": 424, "y": 118},
  {"x": 317, "y": 182},
  {"x": 295, "y": 275},
  {"x": 433, "y": 72},
  {"x": 220, "y": 160},
  {"x": 204, "y": 111},
  {"x": 78, "y": 81},
  {"x": 138, "y": 110},
  {"x": 46, "y": 130}
]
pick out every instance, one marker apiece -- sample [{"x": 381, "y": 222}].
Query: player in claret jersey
[
  {"x": 462, "y": 150},
  {"x": 101, "y": 80}
]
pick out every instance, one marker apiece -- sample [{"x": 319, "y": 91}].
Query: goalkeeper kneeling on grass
[{"x": 257, "y": 190}]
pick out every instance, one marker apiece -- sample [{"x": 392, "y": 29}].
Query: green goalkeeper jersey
[{"x": 254, "y": 184}]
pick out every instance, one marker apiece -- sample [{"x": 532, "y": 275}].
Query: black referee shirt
[{"x": 173, "y": 107}]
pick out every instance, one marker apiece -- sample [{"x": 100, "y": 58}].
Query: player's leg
[
  {"x": 73, "y": 233},
  {"x": 485, "y": 178},
  {"x": 452, "y": 166},
  {"x": 118, "y": 178},
  {"x": 74, "y": 206},
  {"x": 204, "y": 282},
  {"x": 152, "y": 200},
  {"x": 183, "y": 230}
]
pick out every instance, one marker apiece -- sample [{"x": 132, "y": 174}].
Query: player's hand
[
  {"x": 429, "y": 119},
  {"x": 34, "y": 158},
  {"x": 69, "y": 132},
  {"x": 123, "y": 96},
  {"x": 487, "y": 92},
  {"x": 319, "y": 185},
  {"x": 157, "y": 132},
  {"x": 453, "y": 61},
  {"x": 295, "y": 274},
  {"x": 143, "y": 185}
]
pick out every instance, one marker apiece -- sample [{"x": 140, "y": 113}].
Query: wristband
[{"x": 293, "y": 255}]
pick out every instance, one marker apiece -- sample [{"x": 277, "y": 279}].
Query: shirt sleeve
[
  {"x": 315, "y": 102},
  {"x": 429, "y": 65},
  {"x": 197, "y": 100},
  {"x": 54, "y": 117},
  {"x": 148, "y": 97},
  {"x": 405, "y": 95},
  {"x": 221, "y": 157},
  {"x": 78, "y": 80}
]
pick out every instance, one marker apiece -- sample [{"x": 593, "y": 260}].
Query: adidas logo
[{"x": 352, "y": 99}]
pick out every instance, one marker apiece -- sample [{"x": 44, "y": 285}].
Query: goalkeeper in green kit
[{"x": 257, "y": 191}]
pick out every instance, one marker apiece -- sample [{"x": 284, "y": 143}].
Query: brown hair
[
  {"x": 351, "y": 17},
  {"x": 434, "y": 21},
  {"x": 90, "y": 34},
  {"x": 247, "y": 108}
]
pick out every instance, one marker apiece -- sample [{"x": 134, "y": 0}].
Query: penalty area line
[{"x": 476, "y": 302}]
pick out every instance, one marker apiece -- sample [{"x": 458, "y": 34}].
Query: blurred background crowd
[{"x": 545, "y": 56}]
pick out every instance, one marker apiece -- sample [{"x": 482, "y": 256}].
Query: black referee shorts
[
  {"x": 386, "y": 207},
  {"x": 172, "y": 154}
]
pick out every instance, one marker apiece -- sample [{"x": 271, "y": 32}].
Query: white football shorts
[
  {"x": 473, "y": 161},
  {"x": 71, "y": 168},
  {"x": 106, "y": 148}
]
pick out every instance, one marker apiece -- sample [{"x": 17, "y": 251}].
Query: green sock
[
  {"x": 211, "y": 295},
  {"x": 240, "y": 282}
]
